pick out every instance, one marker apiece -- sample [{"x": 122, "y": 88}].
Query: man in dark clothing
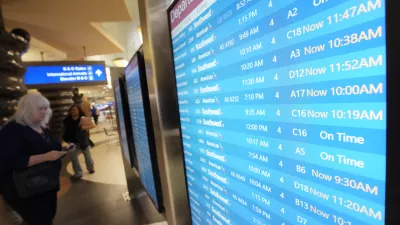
[{"x": 94, "y": 114}]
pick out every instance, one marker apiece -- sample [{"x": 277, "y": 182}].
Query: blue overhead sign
[{"x": 42, "y": 74}]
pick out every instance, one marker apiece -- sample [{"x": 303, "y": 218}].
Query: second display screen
[{"x": 140, "y": 132}]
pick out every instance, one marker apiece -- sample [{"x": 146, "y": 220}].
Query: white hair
[{"x": 26, "y": 106}]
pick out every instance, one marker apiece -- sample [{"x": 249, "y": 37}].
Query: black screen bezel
[
  {"x": 392, "y": 81},
  {"x": 69, "y": 84},
  {"x": 149, "y": 126},
  {"x": 392, "y": 48}
]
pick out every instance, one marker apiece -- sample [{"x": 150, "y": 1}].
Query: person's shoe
[
  {"x": 91, "y": 171},
  {"x": 76, "y": 177}
]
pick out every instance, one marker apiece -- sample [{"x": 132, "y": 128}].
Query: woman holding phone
[
  {"x": 30, "y": 162},
  {"x": 76, "y": 131}
]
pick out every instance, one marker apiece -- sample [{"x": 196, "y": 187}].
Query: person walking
[
  {"x": 76, "y": 131},
  {"x": 95, "y": 114},
  {"x": 30, "y": 162},
  {"x": 87, "y": 112}
]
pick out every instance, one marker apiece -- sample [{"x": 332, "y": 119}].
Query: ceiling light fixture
[
  {"x": 140, "y": 34},
  {"x": 120, "y": 62},
  {"x": 109, "y": 81}
]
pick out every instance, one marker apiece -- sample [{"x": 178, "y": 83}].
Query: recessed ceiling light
[{"x": 120, "y": 62}]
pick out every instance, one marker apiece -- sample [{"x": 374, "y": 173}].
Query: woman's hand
[
  {"x": 54, "y": 155},
  {"x": 47, "y": 157},
  {"x": 67, "y": 146}
]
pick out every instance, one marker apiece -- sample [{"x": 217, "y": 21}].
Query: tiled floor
[
  {"x": 98, "y": 199},
  {"x": 108, "y": 165},
  {"x": 89, "y": 203}
]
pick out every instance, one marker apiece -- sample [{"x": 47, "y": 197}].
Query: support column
[
  {"x": 164, "y": 108},
  {"x": 2, "y": 26},
  {"x": 77, "y": 97},
  {"x": 12, "y": 87},
  {"x": 60, "y": 102},
  {"x": 12, "y": 46}
]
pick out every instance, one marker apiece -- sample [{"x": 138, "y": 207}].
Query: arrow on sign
[{"x": 98, "y": 72}]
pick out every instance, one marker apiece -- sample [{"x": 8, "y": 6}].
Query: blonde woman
[
  {"x": 85, "y": 106},
  {"x": 26, "y": 144}
]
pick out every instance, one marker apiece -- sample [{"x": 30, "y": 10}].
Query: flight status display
[
  {"x": 140, "y": 133},
  {"x": 283, "y": 110},
  {"x": 121, "y": 122}
]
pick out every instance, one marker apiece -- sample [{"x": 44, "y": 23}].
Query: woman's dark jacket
[{"x": 17, "y": 144}]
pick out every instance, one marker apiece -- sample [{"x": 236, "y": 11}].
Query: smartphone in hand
[{"x": 69, "y": 146}]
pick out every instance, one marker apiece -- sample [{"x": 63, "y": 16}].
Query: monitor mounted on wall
[
  {"x": 124, "y": 122},
  {"x": 139, "y": 106},
  {"x": 283, "y": 110}
]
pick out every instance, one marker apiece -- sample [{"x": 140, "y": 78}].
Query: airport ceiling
[{"x": 60, "y": 28}]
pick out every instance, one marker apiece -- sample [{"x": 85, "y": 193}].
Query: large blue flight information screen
[
  {"x": 283, "y": 110},
  {"x": 140, "y": 133}
]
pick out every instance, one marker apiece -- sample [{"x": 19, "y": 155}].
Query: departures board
[
  {"x": 121, "y": 122},
  {"x": 124, "y": 122},
  {"x": 283, "y": 110},
  {"x": 139, "y": 107}
]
